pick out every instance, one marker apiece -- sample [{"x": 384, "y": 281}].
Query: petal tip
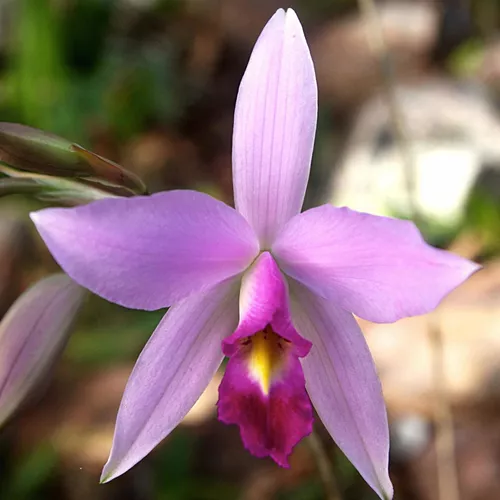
[
  {"x": 387, "y": 491},
  {"x": 35, "y": 217},
  {"x": 291, "y": 14},
  {"x": 113, "y": 469},
  {"x": 472, "y": 268},
  {"x": 108, "y": 473},
  {"x": 40, "y": 217},
  {"x": 280, "y": 13},
  {"x": 281, "y": 461},
  {"x": 105, "y": 478}
]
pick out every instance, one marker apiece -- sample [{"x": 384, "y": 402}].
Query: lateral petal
[
  {"x": 148, "y": 252},
  {"x": 378, "y": 268}
]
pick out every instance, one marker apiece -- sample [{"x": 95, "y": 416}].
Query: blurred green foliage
[
  {"x": 466, "y": 59},
  {"x": 108, "y": 333},
  {"x": 30, "y": 473},
  {"x": 483, "y": 219},
  {"x": 68, "y": 74}
]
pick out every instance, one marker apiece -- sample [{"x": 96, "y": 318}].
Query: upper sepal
[{"x": 274, "y": 127}]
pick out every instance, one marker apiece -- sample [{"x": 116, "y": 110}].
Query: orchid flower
[{"x": 271, "y": 288}]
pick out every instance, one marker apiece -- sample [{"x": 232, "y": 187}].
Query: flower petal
[
  {"x": 343, "y": 385},
  {"x": 171, "y": 373},
  {"x": 149, "y": 252},
  {"x": 264, "y": 301},
  {"x": 32, "y": 335},
  {"x": 263, "y": 389},
  {"x": 376, "y": 267},
  {"x": 274, "y": 127},
  {"x": 272, "y": 419}
]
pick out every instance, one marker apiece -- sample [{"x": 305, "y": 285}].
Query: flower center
[{"x": 266, "y": 351}]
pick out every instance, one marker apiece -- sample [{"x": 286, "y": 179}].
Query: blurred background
[{"x": 151, "y": 84}]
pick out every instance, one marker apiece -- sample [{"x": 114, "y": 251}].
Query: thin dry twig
[
  {"x": 378, "y": 46},
  {"x": 325, "y": 467},
  {"x": 445, "y": 440}
]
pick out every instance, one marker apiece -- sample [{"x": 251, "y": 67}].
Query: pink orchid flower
[{"x": 269, "y": 287}]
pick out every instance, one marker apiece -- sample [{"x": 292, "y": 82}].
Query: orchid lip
[{"x": 263, "y": 392}]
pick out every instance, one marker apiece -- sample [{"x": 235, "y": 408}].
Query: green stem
[{"x": 325, "y": 467}]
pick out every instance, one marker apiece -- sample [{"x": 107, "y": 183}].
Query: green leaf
[{"x": 31, "y": 472}]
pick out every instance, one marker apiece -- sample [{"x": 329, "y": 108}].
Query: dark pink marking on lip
[{"x": 272, "y": 424}]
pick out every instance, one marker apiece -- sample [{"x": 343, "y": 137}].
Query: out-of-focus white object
[
  {"x": 453, "y": 130},
  {"x": 410, "y": 434}
]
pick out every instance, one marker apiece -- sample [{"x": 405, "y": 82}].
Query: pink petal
[
  {"x": 343, "y": 385},
  {"x": 264, "y": 301},
  {"x": 263, "y": 389},
  {"x": 274, "y": 127},
  {"x": 32, "y": 335},
  {"x": 271, "y": 422},
  {"x": 171, "y": 373},
  {"x": 148, "y": 252},
  {"x": 376, "y": 267}
]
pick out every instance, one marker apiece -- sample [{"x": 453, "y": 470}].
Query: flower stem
[
  {"x": 445, "y": 439},
  {"x": 325, "y": 467}
]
